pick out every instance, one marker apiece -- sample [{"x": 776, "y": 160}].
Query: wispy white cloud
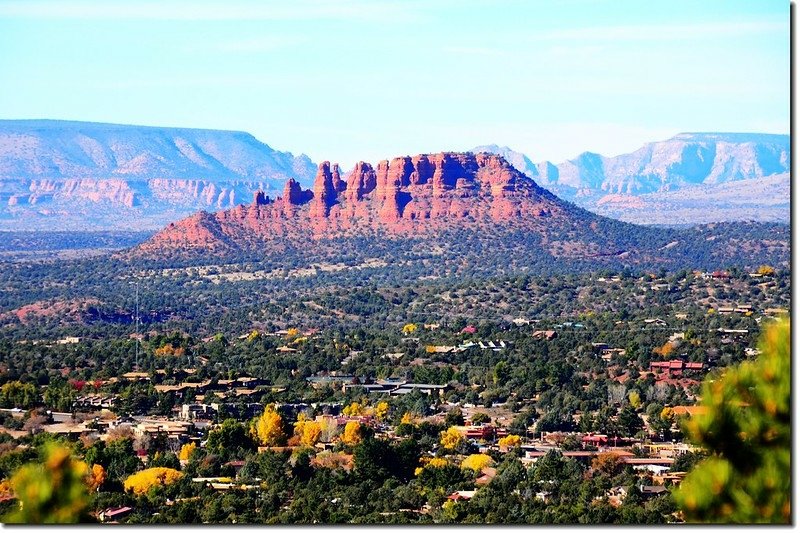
[
  {"x": 663, "y": 32},
  {"x": 473, "y": 50},
  {"x": 260, "y": 81},
  {"x": 206, "y": 10},
  {"x": 595, "y": 42},
  {"x": 264, "y": 43}
]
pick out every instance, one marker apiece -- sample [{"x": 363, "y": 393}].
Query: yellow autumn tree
[
  {"x": 354, "y": 409},
  {"x": 408, "y": 418},
  {"x": 253, "y": 335},
  {"x": 268, "y": 427},
  {"x": 311, "y": 433},
  {"x": 451, "y": 439},
  {"x": 170, "y": 350},
  {"x": 431, "y": 462},
  {"x": 141, "y": 482},
  {"x": 477, "y": 461},
  {"x": 508, "y": 442},
  {"x": 634, "y": 399},
  {"x": 329, "y": 429},
  {"x": 409, "y": 329},
  {"x": 352, "y": 433},
  {"x": 292, "y": 332},
  {"x": 308, "y": 431},
  {"x": 186, "y": 451},
  {"x": 381, "y": 410},
  {"x": 766, "y": 270},
  {"x": 437, "y": 462},
  {"x": 302, "y": 417},
  {"x": 664, "y": 350}
]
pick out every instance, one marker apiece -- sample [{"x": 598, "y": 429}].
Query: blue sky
[{"x": 371, "y": 79}]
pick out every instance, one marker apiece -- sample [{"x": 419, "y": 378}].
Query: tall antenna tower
[{"x": 136, "y": 364}]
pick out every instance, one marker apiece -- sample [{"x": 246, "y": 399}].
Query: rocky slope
[
  {"x": 408, "y": 196},
  {"x": 81, "y": 175},
  {"x": 697, "y": 161}
]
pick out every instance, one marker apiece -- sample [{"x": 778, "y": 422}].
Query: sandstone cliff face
[
  {"x": 361, "y": 182},
  {"x": 407, "y": 195},
  {"x": 128, "y": 197}
]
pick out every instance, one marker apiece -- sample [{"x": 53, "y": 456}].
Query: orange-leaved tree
[{"x": 95, "y": 477}]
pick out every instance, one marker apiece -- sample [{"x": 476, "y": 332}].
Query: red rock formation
[
  {"x": 260, "y": 199},
  {"x": 362, "y": 181},
  {"x": 324, "y": 191},
  {"x": 293, "y": 194},
  {"x": 388, "y": 190},
  {"x": 339, "y": 185},
  {"x": 409, "y": 195}
]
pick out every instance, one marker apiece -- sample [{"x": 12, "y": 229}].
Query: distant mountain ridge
[
  {"x": 93, "y": 173},
  {"x": 687, "y": 160},
  {"x": 68, "y": 175}
]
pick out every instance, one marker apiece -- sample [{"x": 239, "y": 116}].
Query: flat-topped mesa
[
  {"x": 324, "y": 191},
  {"x": 410, "y": 195}
]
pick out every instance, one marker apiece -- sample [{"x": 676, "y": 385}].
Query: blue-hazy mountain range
[
  {"x": 83, "y": 175},
  {"x": 687, "y": 179}
]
